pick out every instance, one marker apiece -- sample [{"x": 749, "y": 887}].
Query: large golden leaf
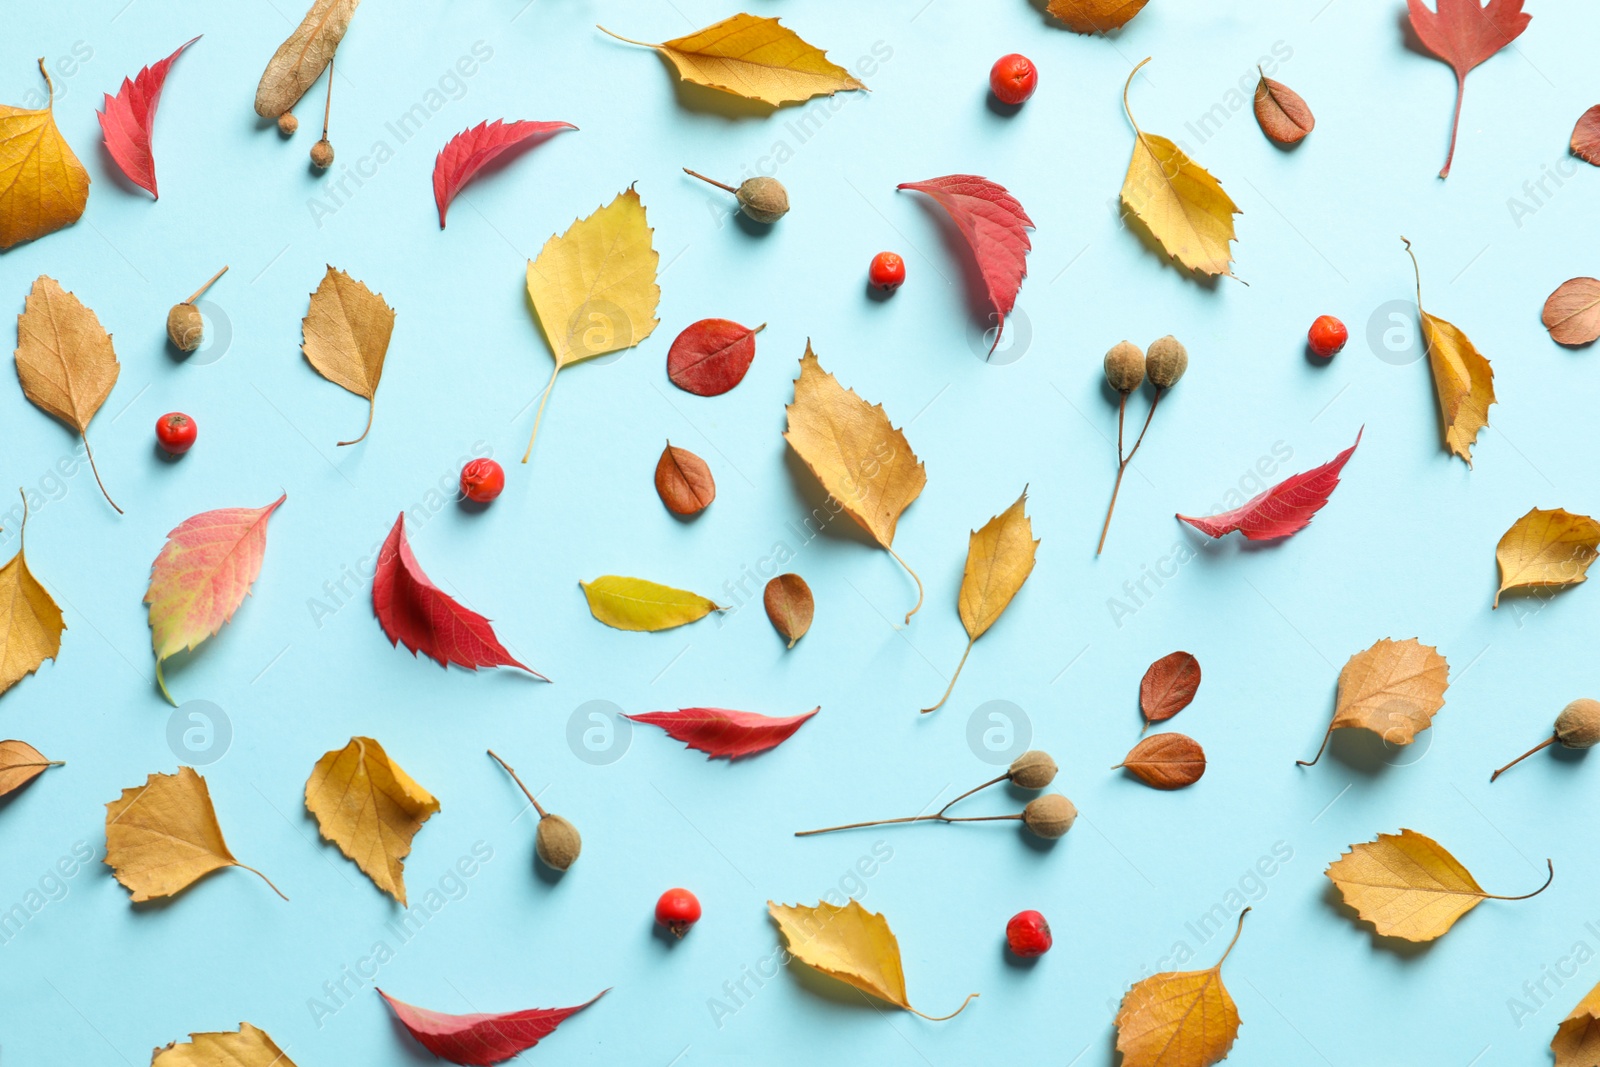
[
  {"x": 1407, "y": 886},
  {"x": 162, "y": 837},
  {"x": 594, "y": 288},
  {"x": 863, "y": 461},
  {"x": 1462, "y": 378},
  {"x": 756, "y": 58},
  {"x": 851, "y": 944},
  {"x": 249, "y": 1047},
  {"x": 1177, "y": 200},
  {"x": 43, "y": 187},
  {"x": 1393, "y": 689},
  {"x": 30, "y": 621},
  {"x": 300, "y": 60},
  {"x": 370, "y": 808},
  {"x": 1180, "y": 1018},
  {"x": 1577, "y": 1040},
  {"x": 1095, "y": 16},
  {"x": 346, "y": 335},
  {"x": 1546, "y": 548},
  {"x": 999, "y": 559}
]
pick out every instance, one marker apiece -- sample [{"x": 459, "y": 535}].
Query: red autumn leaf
[
  {"x": 414, "y": 611},
  {"x": 1281, "y": 112},
  {"x": 126, "y": 120},
  {"x": 711, "y": 356},
  {"x": 728, "y": 734},
  {"x": 469, "y": 151},
  {"x": 1169, "y": 686},
  {"x": 995, "y": 227},
  {"x": 1464, "y": 33},
  {"x": 480, "y": 1039},
  {"x": 683, "y": 481},
  {"x": 1166, "y": 761},
  {"x": 1586, "y": 136},
  {"x": 1572, "y": 312},
  {"x": 1284, "y": 509}
]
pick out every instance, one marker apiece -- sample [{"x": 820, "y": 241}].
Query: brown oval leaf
[
  {"x": 684, "y": 481},
  {"x": 21, "y": 763},
  {"x": 1166, "y": 761},
  {"x": 1586, "y": 136},
  {"x": 1572, "y": 313},
  {"x": 1282, "y": 113},
  {"x": 789, "y": 605},
  {"x": 1169, "y": 686}
]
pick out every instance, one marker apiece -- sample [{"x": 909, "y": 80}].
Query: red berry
[
  {"x": 887, "y": 272},
  {"x": 1013, "y": 78},
  {"x": 1028, "y": 934},
  {"x": 1326, "y": 336},
  {"x": 482, "y": 480},
  {"x": 175, "y": 432},
  {"x": 677, "y": 910}
]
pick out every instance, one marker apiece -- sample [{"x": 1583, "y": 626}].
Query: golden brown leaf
[
  {"x": 1180, "y": 1018},
  {"x": 1546, "y": 548},
  {"x": 1407, "y": 886},
  {"x": 21, "y": 763},
  {"x": 249, "y": 1047},
  {"x": 851, "y": 944},
  {"x": 1572, "y": 312},
  {"x": 1577, "y": 1040},
  {"x": 790, "y": 606},
  {"x": 1166, "y": 761},
  {"x": 1462, "y": 378},
  {"x": 1393, "y": 689},
  {"x": 863, "y": 461},
  {"x": 999, "y": 559},
  {"x": 300, "y": 60},
  {"x": 370, "y": 808},
  {"x": 162, "y": 837},
  {"x": 43, "y": 187},
  {"x": 346, "y": 336},
  {"x": 30, "y": 621},
  {"x": 1095, "y": 16},
  {"x": 683, "y": 481}
]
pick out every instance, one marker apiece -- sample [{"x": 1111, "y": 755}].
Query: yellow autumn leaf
[
  {"x": 1179, "y": 1018},
  {"x": 346, "y": 336},
  {"x": 249, "y": 1047},
  {"x": 30, "y": 621},
  {"x": 300, "y": 59},
  {"x": 21, "y": 763},
  {"x": 370, "y": 808},
  {"x": 1407, "y": 886},
  {"x": 594, "y": 288},
  {"x": 43, "y": 187},
  {"x": 637, "y": 604},
  {"x": 861, "y": 459},
  {"x": 1462, "y": 378},
  {"x": 1177, "y": 200},
  {"x": 755, "y": 58},
  {"x": 999, "y": 559},
  {"x": 162, "y": 837},
  {"x": 1546, "y": 548},
  {"x": 1577, "y": 1040},
  {"x": 1393, "y": 689},
  {"x": 1095, "y": 16},
  {"x": 851, "y": 944},
  {"x": 65, "y": 360}
]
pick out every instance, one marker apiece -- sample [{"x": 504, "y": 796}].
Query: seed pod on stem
[
  {"x": 322, "y": 151},
  {"x": 185, "y": 326},
  {"x": 1048, "y": 816},
  {"x": 1577, "y": 727},
  {"x": 556, "y": 842},
  {"x": 1125, "y": 367},
  {"x": 763, "y": 200}
]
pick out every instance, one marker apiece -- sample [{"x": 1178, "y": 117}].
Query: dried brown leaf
[
  {"x": 790, "y": 606},
  {"x": 1572, "y": 312},
  {"x": 683, "y": 481},
  {"x": 1166, "y": 761}
]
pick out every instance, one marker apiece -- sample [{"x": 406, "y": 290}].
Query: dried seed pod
[
  {"x": 185, "y": 326},
  {"x": 1032, "y": 770},
  {"x": 557, "y": 842},
  {"x": 1578, "y": 726},
  {"x": 1125, "y": 366},
  {"x": 1050, "y": 816},
  {"x": 322, "y": 154},
  {"x": 1167, "y": 361},
  {"x": 764, "y": 200},
  {"x": 287, "y": 124}
]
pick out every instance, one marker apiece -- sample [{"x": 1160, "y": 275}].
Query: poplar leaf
[
  {"x": 300, "y": 60},
  {"x": 1577, "y": 1040},
  {"x": 1407, "y": 886},
  {"x": 753, "y": 57},
  {"x": 21, "y": 763},
  {"x": 1095, "y": 16},
  {"x": 1393, "y": 689},
  {"x": 346, "y": 336},
  {"x": 1462, "y": 378},
  {"x": 43, "y": 187},
  {"x": 1546, "y": 548},
  {"x": 249, "y": 1047},
  {"x": 1179, "y": 1018},
  {"x": 851, "y": 944},
  {"x": 365, "y": 804},
  {"x": 30, "y": 620},
  {"x": 637, "y": 604}
]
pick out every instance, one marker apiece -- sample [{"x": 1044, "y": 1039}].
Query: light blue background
[{"x": 1405, "y": 549}]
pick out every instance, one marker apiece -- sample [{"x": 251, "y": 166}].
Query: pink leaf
[
  {"x": 995, "y": 227},
  {"x": 1284, "y": 509},
  {"x": 728, "y": 734},
  {"x": 479, "y": 1039},
  {"x": 127, "y": 118},
  {"x": 414, "y": 611},
  {"x": 1464, "y": 33},
  {"x": 470, "y": 151}
]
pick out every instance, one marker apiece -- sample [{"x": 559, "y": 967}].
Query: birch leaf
[
  {"x": 1095, "y": 16},
  {"x": 1178, "y": 201},
  {"x": 999, "y": 559},
  {"x": 300, "y": 60},
  {"x": 753, "y": 57},
  {"x": 1393, "y": 689},
  {"x": 249, "y": 1047},
  {"x": 594, "y": 288},
  {"x": 43, "y": 187},
  {"x": 346, "y": 336},
  {"x": 1577, "y": 1040},
  {"x": 861, "y": 459},
  {"x": 637, "y": 604},
  {"x": 1462, "y": 378},
  {"x": 21, "y": 763},
  {"x": 370, "y": 808},
  {"x": 30, "y": 621},
  {"x": 1546, "y": 548},
  {"x": 1179, "y": 1018}
]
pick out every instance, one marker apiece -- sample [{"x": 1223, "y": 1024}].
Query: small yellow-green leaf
[{"x": 635, "y": 604}]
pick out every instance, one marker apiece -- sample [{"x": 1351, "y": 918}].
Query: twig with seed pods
[
  {"x": 556, "y": 842},
  {"x": 322, "y": 151},
  {"x": 1126, "y": 368}
]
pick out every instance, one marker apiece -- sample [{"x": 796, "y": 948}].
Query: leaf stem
[
  {"x": 1312, "y": 762},
  {"x": 1455, "y": 125},
  {"x": 525, "y": 791},
  {"x": 952, "y": 684},
  {"x": 1416, "y": 269},
  {"x": 371, "y": 403},
  {"x": 1546, "y": 743},
  {"x": 50, "y": 101},
  {"x": 1237, "y": 930},
  {"x": 710, "y": 181},
  {"x": 261, "y": 876},
  {"x": 198, "y": 293},
  {"x": 1126, "y": 110},
  {"x": 618, "y": 36},
  {"x": 941, "y": 1018},
  {"x": 914, "y": 578},
  {"x": 22, "y": 534},
  {"x": 975, "y": 789},
  {"x": 937, "y": 817},
  {"x": 1123, "y": 461},
  {"x": 161, "y": 682},
  {"x": 1536, "y": 892},
  {"x": 90, "y": 453},
  {"x": 539, "y": 417},
  {"x": 327, "y": 108}
]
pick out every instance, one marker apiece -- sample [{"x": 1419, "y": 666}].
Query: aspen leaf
[
  {"x": 790, "y": 606},
  {"x": 1407, "y": 886},
  {"x": 30, "y": 621},
  {"x": 1577, "y": 1040},
  {"x": 861, "y": 459},
  {"x": 851, "y": 944},
  {"x": 370, "y": 808},
  {"x": 43, "y": 187},
  {"x": 1546, "y": 548},
  {"x": 249, "y": 1047},
  {"x": 637, "y": 604},
  {"x": 1177, "y": 200},
  {"x": 1179, "y": 1018},
  {"x": 1572, "y": 312},
  {"x": 1393, "y": 689},
  {"x": 21, "y": 763},
  {"x": 1461, "y": 376},
  {"x": 65, "y": 360},
  {"x": 346, "y": 336},
  {"x": 999, "y": 559},
  {"x": 753, "y": 57},
  {"x": 162, "y": 837},
  {"x": 1095, "y": 16},
  {"x": 300, "y": 60},
  {"x": 594, "y": 288},
  {"x": 1166, "y": 761}
]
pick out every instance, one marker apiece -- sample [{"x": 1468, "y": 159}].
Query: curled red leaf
[
  {"x": 711, "y": 356},
  {"x": 1284, "y": 509},
  {"x": 1464, "y": 33},
  {"x": 1166, "y": 761},
  {"x": 1572, "y": 312},
  {"x": 126, "y": 120},
  {"x": 468, "y": 152},
  {"x": 719, "y": 732},
  {"x": 1169, "y": 686},
  {"x": 480, "y": 1039}
]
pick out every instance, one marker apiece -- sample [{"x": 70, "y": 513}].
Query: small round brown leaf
[
  {"x": 1572, "y": 313},
  {"x": 1167, "y": 761},
  {"x": 1586, "y": 136},
  {"x": 684, "y": 481},
  {"x": 1169, "y": 685},
  {"x": 1284, "y": 116},
  {"x": 789, "y": 605}
]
